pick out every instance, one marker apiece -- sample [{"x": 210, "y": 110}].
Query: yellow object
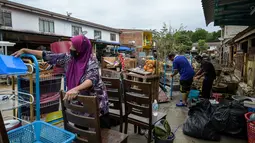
[
  {"x": 150, "y": 66},
  {"x": 54, "y": 117}
]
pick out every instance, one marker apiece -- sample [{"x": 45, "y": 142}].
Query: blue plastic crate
[
  {"x": 194, "y": 94},
  {"x": 12, "y": 65},
  {"x": 40, "y": 132},
  {"x": 251, "y": 109}
]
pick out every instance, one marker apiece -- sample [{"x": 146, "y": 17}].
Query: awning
[
  {"x": 104, "y": 42},
  {"x": 7, "y": 43},
  {"x": 123, "y": 48},
  {"x": 229, "y": 12}
]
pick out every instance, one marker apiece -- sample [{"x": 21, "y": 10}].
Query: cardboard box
[
  {"x": 130, "y": 63},
  {"x": 107, "y": 60}
]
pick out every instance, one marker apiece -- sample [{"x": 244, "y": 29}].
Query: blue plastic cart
[{"x": 38, "y": 131}]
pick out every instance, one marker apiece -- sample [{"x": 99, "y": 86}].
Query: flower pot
[{"x": 169, "y": 140}]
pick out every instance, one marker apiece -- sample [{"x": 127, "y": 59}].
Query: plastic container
[
  {"x": 250, "y": 128},
  {"x": 170, "y": 140},
  {"x": 194, "y": 94},
  {"x": 12, "y": 124},
  {"x": 12, "y": 65},
  {"x": 46, "y": 86},
  {"x": 54, "y": 118},
  {"x": 40, "y": 132},
  {"x": 217, "y": 96},
  {"x": 250, "y": 105},
  {"x": 251, "y": 109},
  {"x": 155, "y": 108}
]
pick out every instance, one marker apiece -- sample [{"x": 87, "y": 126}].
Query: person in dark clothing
[
  {"x": 207, "y": 70},
  {"x": 182, "y": 66}
]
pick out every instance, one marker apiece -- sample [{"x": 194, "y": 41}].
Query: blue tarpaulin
[{"x": 124, "y": 48}]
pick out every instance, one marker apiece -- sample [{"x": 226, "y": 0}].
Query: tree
[
  {"x": 214, "y": 36},
  {"x": 202, "y": 46},
  {"x": 199, "y": 34},
  {"x": 165, "y": 41},
  {"x": 183, "y": 41},
  {"x": 172, "y": 40}
]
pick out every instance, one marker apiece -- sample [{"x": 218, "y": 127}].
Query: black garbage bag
[
  {"x": 198, "y": 123},
  {"x": 229, "y": 119}
]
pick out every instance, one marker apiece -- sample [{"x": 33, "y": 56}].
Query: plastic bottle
[{"x": 155, "y": 108}]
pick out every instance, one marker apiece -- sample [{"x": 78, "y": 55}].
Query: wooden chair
[
  {"x": 89, "y": 105},
  {"x": 138, "y": 106},
  {"x": 113, "y": 86},
  {"x": 3, "y": 133}
]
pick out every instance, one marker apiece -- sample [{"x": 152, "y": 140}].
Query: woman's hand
[
  {"x": 71, "y": 94},
  {"x": 19, "y": 52}
]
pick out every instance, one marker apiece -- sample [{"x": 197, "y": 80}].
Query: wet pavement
[{"x": 176, "y": 116}]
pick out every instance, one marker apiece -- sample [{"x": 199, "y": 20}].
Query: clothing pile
[{"x": 208, "y": 121}]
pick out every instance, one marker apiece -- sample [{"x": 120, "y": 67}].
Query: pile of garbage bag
[{"x": 208, "y": 122}]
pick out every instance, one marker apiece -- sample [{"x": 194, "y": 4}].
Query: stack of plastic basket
[
  {"x": 49, "y": 94},
  {"x": 250, "y": 128},
  {"x": 250, "y": 105},
  {"x": 40, "y": 132}
]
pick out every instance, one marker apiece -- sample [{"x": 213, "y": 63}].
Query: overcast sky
[{"x": 140, "y": 14}]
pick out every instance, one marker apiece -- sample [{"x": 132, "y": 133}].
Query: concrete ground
[{"x": 176, "y": 117}]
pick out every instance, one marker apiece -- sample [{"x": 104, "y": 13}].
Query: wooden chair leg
[
  {"x": 149, "y": 135},
  {"x": 126, "y": 126},
  {"x": 135, "y": 129},
  {"x": 121, "y": 125}
]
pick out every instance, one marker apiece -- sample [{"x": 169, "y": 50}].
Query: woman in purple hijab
[{"x": 82, "y": 72}]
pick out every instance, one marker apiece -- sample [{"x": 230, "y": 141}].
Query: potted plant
[{"x": 162, "y": 132}]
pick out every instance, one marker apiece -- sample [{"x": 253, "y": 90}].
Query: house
[
  {"x": 238, "y": 40},
  {"x": 212, "y": 46},
  {"x": 139, "y": 38},
  {"x": 228, "y": 32},
  {"x": 31, "y": 27},
  {"x": 243, "y": 55}
]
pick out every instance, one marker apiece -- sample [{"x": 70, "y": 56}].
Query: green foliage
[
  {"x": 172, "y": 40},
  {"x": 180, "y": 40},
  {"x": 165, "y": 41},
  {"x": 199, "y": 34},
  {"x": 202, "y": 46},
  {"x": 214, "y": 36},
  {"x": 183, "y": 41}
]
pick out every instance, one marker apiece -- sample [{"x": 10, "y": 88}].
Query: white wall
[
  {"x": 25, "y": 21},
  {"x": 231, "y": 31}
]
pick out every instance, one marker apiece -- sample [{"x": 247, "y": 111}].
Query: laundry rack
[
  {"x": 44, "y": 86},
  {"x": 13, "y": 99}
]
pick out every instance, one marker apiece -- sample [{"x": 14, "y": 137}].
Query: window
[
  {"x": 7, "y": 18},
  {"x": 76, "y": 30},
  {"x": 46, "y": 26},
  {"x": 113, "y": 37},
  {"x": 97, "y": 34}
]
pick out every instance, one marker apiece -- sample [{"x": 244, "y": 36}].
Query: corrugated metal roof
[
  {"x": 208, "y": 7},
  {"x": 229, "y": 12}
]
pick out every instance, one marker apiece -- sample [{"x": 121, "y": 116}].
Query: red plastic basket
[
  {"x": 250, "y": 128},
  {"x": 217, "y": 96}
]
